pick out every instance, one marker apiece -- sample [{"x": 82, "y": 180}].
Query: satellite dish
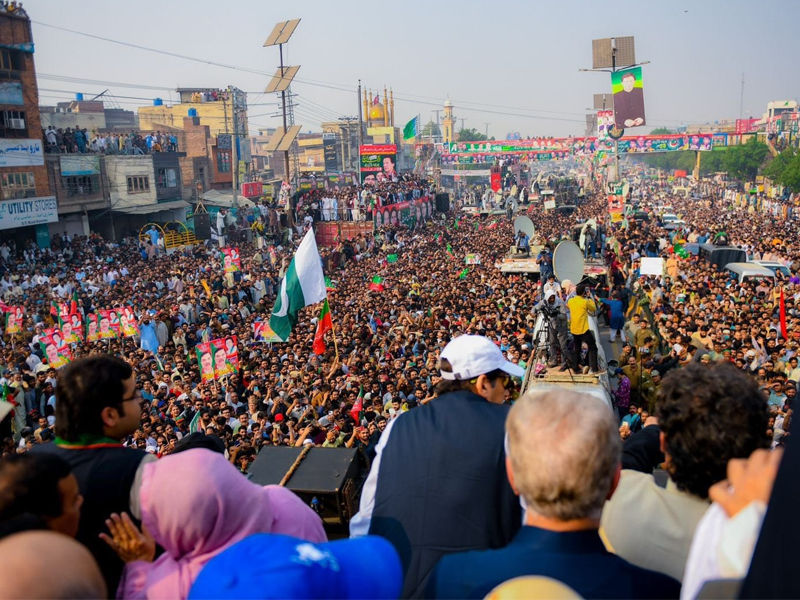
[
  {"x": 524, "y": 224},
  {"x": 568, "y": 262}
]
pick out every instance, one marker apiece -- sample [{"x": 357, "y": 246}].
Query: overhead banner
[
  {"x": 329, "y": 152},
  {"x": 21, "y": 153},
  {"x": 378, "y": 163},
  {"x": 626, "y": 85},
  {"x": 411, "y": 213},
  {"x": 700, "y": 142},
  {"x": 605, "y": 121},
  {"x": 23, "y": 213}
]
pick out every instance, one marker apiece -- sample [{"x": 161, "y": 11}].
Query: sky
[{"x": 507, "y": 66}]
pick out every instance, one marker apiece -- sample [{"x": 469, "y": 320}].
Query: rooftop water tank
[{"x": 158, "y": 102}]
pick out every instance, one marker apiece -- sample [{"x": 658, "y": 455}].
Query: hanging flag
[
  {"x": 377, "y": 284},
  {"x": 784, "y": 333},
  {"x": 411, "y": 129},
  {"x": 324, "y": 325},
  {"x": 391, "y": 258},
  {"x": 463, "y": 274},
  {"x": 303, "y": 285},
  {"x": 358, "y": 406}
]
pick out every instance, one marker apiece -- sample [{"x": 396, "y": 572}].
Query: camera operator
[
  {"x": 554, "y": 311},
  {"x": 580, "y": 306}
]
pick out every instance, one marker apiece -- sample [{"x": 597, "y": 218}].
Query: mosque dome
[
  {"x": 448, "y": 103},
  {"x": 376, "y": 111}
]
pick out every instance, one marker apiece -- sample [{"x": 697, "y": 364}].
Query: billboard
[
  {"x": 21, "y": 153},
  {"x": 378, "y": 162},
  {"x": 73, "y": 165},
  {"x": 700, "y": 142},
  {"x": 411, "y": 213},
  {"x": 605, "y": 121},
  {"x": 329, "y": 152},
  {"x": 33, "y": 211},
  {"x": 252, "y": 189},
  {"x": 628, "y": 93}
]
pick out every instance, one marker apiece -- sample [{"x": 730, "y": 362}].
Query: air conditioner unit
[{"x": 16, "y": 123}]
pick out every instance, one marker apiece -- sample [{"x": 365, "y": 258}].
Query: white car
[{"x": 775, "y": 267}]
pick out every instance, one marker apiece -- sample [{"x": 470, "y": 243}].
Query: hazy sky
[{"x": 511, "y": 64}]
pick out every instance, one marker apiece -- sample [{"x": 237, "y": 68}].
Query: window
[
  {"x": 224, "y": 162},
  {"x": 10, "y": 60},
  {"x": 81, "y": 185},
  {"x": 18, "y": 185},
  {"x": 167, "y": 178},
  {"x": 13, "y": 124},
  {"x": 138, "y": 184}
]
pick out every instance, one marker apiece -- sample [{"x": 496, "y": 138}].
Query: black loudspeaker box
[
  {"x": 202, "y": 226},
  {"x": 442, "y": 202}
]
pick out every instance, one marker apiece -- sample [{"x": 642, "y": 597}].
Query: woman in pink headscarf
[{"x": 195, "y": 504}]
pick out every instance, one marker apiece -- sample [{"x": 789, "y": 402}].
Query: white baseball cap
[{"x": 473, "y": 355}]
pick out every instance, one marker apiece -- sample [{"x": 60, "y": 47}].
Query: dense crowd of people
[
  {"x": 81, "y": 141},
  {"x": 707, "y": 374}
]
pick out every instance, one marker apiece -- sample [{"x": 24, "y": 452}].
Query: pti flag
[
  {"x": 303, "y": 285},
  {"x": 411, "y": 129},
  {"x": 324, "y": 325}
]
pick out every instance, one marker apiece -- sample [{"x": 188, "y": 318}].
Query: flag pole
[{"x": 335, "y": 344}]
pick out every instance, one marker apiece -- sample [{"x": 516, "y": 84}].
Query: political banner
[
  {"x": 702, "y": 143},
  {"x": 378, "y": 163},
  {"x": 109, "y": 324},
  {"x": 223, "y": 363},
  {"x": 411, "y": 213},
  {"x": 71, "y": 328},
  {"x": 329, "y": 153},
  {"x": 56, "y": 352},
  {"x": 626, "y": 85},
  {"x": 605, "y": 121},
  {"x": 472, "y": 259},
  {"x": 262, "y": 332},
  {"x": 128, "y": 326},
  {"x": 92, "y": 327},
  {"x": 14, "y": 320},
  {"x": 206, "y": 361},
  {"x": 231, "y": 261}
]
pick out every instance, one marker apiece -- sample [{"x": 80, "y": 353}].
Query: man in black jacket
[
  {"x": 97, "y": 405},
  {"x": 438, "y": 482}
]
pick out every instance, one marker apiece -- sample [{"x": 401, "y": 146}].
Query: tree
[
  {"x": 661, "y": 131},
  {"x": 431, "y": 129},
  {"x": 742, "y": 162},
  {"x": 471, "y": 135},
  {"x": 784, "y": 170}
]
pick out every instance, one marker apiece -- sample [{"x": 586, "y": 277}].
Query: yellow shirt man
[{"x": 579, "y": 309}]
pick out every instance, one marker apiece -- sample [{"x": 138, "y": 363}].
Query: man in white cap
[{"x": 437, "y": 484}]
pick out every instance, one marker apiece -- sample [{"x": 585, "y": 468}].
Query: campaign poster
[
  {"x": 128, "y": 326},
  {"x": 206, "y": 361},
  {"x": 109, "y": 324},
  {"x": 230, "y": 343},
  {"x": 14, "y": 320},
  {"x": 378, "y": 163},
  {"x": 92, "y": 327},
  {"x": 472, "y": 259},
  {"x": 222, "y": 365},
  {"x": 71, "y": 328},
  {"x": 626, "y": 85},
  {"x": 700, "y": 142},
  {"x": 55, "y": 350},
  {"x": 605, "y": 121},
  {"x": 262, "y": 332},
  {"x": 231, "y": 261}
]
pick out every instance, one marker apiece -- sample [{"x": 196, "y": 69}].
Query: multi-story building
[{"x": 27, "y": 210}]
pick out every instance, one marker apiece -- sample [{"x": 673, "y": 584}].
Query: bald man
[{"x": 71, "y": 570}]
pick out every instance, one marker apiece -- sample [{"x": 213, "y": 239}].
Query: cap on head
[{"x": 472, "y": 355}]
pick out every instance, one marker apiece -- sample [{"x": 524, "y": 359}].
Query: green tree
[
  {"x": 431, "y": 129},
  {"x": 471, "y": 135},
  {"x": 791, "y": 176},
  {"x": 661, "y": 131},
  {"x": 742, "y": 162},
  {"x": 784, "y": 169}
]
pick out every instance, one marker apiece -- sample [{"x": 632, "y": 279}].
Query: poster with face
[
  {"x": 92, "y": 327},
  {"x": 206, "y": 361},
  {"x": 231, "y": 261},
  {"x": 14, "y": 320},
  {"x": 222, "y": 365},
  {"x": 232, "y": 351},
  {"x": 56, "y": 352},
  {"x": 109, "y": 324},
  {"x": 262, "y": 332},
  {"x": 127, "y": 322},
  {"x": 71, "y": 328}
]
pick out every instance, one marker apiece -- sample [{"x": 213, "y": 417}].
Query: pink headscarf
[{"x": 196, "y": 504}]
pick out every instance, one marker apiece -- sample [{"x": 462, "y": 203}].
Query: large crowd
[
  {"x": 706, "y": 375},
  {"x": 76, "y": 140}
]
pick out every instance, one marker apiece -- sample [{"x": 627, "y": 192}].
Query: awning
[
  {"x": 146, "y": 209},
  {"x": 225, "y": 200}
]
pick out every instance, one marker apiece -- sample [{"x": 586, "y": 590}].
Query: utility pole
[
  {"x": 360, "y": 121},
  {"x": 462, "y": 119},
  {"x": 487, "y": 130},
  {"x": 438, "y": 123},
  {"x": 234, "y": 148},
  {"x": 741, "y": 100}
]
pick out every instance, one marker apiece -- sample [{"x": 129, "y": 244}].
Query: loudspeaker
[
  {"x": 442, "y": 202},
  {"x": 202, "y": 226},
  {"x": 332, "y": 476}
]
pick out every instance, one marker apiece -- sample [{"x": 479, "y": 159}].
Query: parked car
[
  {"x": 742, "y": 271},
  {"x": 775, "y": 267}
]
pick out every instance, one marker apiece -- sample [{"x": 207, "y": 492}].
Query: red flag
[
  {"x": 784, "y": 333},
  {"x": 73, "y": 305},
  {"x": 358, "y": 407},
  {"x": 324, "y": 325}
]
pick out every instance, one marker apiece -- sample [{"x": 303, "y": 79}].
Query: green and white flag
[
  {"x": 411, "y": 129},
  {"x": 303, "y": 285}
]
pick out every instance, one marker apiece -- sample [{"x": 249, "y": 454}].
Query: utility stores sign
[{"x": 31, "y": 211}]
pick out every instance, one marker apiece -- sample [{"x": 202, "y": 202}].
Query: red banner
[{"x": 495, "y": 182}]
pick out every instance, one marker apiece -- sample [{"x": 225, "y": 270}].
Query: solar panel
[
  {"x": 282, "y": 32},
  {"x": 290, "y": 136},
  {"x": 624, "y": 52},
  {"x": 281, "y": 82},
  {"x": 272, "y": 144},
  {"x": 602, "y": 53}
]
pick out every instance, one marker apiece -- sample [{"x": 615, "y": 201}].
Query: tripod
[{"x": 546, "y": 338}]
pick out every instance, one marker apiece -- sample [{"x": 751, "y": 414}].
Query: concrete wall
[
  {"x": 118, "y": 169},
  {"x": 89, "y": 121}
]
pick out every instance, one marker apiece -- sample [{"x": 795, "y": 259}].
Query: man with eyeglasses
[
  {"x": 437, "y": 483},
  {"x": 98, "y": 406}
]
